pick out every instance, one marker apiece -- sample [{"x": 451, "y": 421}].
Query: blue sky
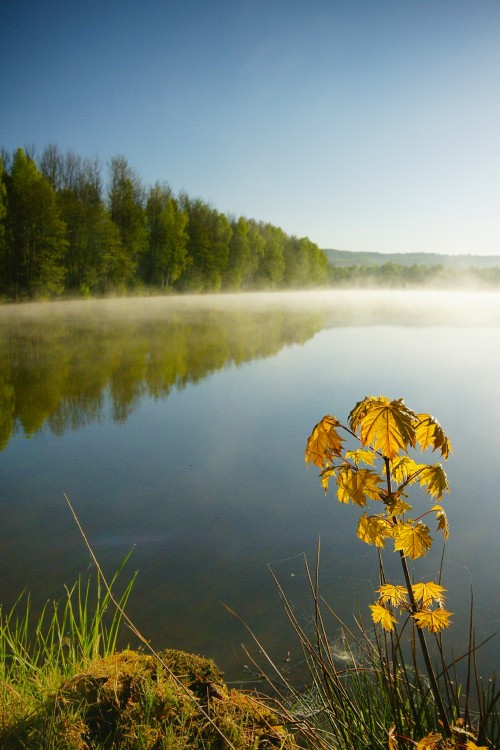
[{"x": 362, "y": 124}]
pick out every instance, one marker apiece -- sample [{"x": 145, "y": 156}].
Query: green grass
[
  {"x": 64, "y": 684},
  {"x": 379, "y": 687}
]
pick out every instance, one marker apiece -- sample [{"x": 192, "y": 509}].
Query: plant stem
[
  {"x": 423, "y": 645},
  {"x": 425, "y": 652}
]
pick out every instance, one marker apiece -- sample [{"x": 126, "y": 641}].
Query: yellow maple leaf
[
  {"x": 403, "y": 469},
  {"x": 426, "y": 593},
  {"x": 383, "y": 616},
  {"x": 414, "y": 540},
  {"x": 396, "y": 506},
  {"x": 326, "y": 475},
  {"x": 357, "y": 414},
  {"x": 436, "y": 480},
  {"x": 430, "y": 742},
  {"x": 324, "y": 442},
  {"x": 344, "y": 484},
  {"x": 374, "y": 530},
  {"x": 394, "y": 595},
  {"x": 361, "y": 456},
  {"x": 386, "y": 426},
  {"x": 430, "y": 434},
  {"x": 443, "y": 523},
  {"x": 434, "y": 620},
  {"x": 472, "y": 746},
  {"x": 357, "y": 485}
]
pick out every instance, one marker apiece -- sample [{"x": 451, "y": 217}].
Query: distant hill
[{"x": 350, "y": 258}]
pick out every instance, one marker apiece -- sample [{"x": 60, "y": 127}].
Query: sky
[{"x": 369, "y": 125}]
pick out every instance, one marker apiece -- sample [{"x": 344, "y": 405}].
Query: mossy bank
[{"x": 131, "y": 700}]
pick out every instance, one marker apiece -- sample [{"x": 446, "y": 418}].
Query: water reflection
[{"x": 57, "y": 363}]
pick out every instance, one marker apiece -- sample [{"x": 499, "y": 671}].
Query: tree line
[
  {"x": 64, "y": 229},
  {"x": 396, "y": 276}
]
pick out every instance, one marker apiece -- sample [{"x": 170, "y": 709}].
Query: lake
[{"x": 177, "y": 428}]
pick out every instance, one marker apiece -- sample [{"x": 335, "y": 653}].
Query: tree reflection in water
[{"x": 58, "y": 361}]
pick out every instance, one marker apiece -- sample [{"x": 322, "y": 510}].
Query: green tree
[
  {"x": 83, "y": 210},
  {"x": 115, "y": 267},
  {"x": 35, "y": 233},
  {"x": 209, "y": 234},
  {"x": 126, "y": 198},
  {"x": 257, "y": 245},
  {"x": 272, "y": 265},
  {"x": 51, "y": 165},
  {"x": 317, "y": 262},
  {"x": 3, "y": 215},
  {"x": 243, "y": 258},
  {"x": 167, "y": 238},
  {"x": 297, "y": 262}
]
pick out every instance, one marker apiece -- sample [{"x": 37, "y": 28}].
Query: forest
[
  {"x": 68, "y": 227},
  {"x": 71, "y": 227}
]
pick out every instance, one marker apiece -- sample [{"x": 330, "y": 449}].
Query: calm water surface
[{"x": 177, "y": 428}]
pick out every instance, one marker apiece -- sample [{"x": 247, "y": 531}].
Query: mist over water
[{"x": 177, "y": 427}]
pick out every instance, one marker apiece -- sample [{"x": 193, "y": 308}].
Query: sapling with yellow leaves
[
  {"x": 380, "y": 470},
  {"x": 375, "y": 475}
]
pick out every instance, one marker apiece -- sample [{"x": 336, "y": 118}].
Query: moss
[{"x": 130, "y": 701}]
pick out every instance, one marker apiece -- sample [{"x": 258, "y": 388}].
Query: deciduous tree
[
  {"x": 209, "y": 234},
  {"x": 126, "y": 199},
  {"x": 35, "y": 235},
  {"x": 3, "y": 215},
  {"x": 167, "y": 238}
]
